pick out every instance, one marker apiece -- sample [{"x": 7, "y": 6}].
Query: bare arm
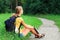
[{"x": 25, "y": 25}]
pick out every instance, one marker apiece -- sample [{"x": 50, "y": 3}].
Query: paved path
[{"x": 49, "y": 29}]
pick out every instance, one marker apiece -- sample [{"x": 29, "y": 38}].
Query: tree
[
  {"x": 42, "y": 6},
  {"x": 4, "y": 6}
]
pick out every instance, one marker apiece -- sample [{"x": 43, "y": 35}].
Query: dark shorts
[{"x": 21, "y": 35}]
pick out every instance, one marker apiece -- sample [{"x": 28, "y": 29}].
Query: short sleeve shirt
[{"x": 18, "y": 22}]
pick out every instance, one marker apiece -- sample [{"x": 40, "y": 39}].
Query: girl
[{"x": 27, "y": 28}]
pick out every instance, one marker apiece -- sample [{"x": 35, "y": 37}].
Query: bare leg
[
  {"x": 25, "y": 31},
  {"x": 34, "y": 31}
]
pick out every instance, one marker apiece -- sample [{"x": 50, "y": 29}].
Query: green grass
[
  {"x": 55, "y": 18},
  {"x": 31, "y": 20}
]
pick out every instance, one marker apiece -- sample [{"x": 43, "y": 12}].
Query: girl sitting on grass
[{"x": 27, "y": 28}]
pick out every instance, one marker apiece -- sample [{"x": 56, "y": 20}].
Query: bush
[{"x": 42, "y": 6}]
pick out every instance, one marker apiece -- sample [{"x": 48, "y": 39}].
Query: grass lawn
[
  {"x": 55, "y": 18},
  {"x": 11, "y": 36}
]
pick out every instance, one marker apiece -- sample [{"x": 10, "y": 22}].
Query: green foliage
[
  {"x": 31, "y": 6},
  {"x": 42, "y": 6},
  {"x": 12, "y": 36},
  {"x": 8, "y": 5},
  {"x": 4, "y": 6}
]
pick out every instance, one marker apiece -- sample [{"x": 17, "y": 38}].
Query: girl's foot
[{"x": 40, "y": 36}]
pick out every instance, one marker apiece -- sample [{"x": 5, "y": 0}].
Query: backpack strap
[
  {"x": 19, "y": 26},
  {"x": 19, "y": 29}
]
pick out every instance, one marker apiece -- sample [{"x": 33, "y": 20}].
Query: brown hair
[{"x": 19, "y": 8}]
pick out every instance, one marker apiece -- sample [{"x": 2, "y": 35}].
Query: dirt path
[{"x": 49, "y": 29}]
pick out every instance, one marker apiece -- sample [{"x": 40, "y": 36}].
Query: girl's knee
[{"x": 30, "y": 26}]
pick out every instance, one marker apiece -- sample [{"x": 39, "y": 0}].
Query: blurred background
[{"x": 31, "y": 6}]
